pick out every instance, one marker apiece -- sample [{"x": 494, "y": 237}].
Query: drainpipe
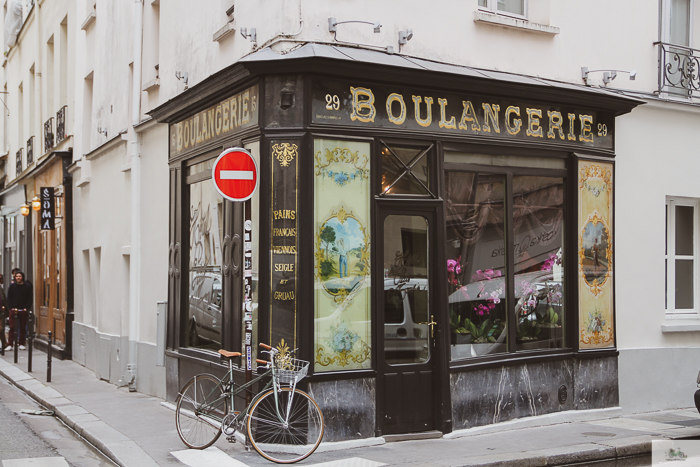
[{"x": 135, "y": 253}]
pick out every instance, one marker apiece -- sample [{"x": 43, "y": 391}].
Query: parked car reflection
[
  {"x": 406, "y": 315},
  {"x": 204, "y": 323}
]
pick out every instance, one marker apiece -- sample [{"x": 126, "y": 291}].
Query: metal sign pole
[{"x": 248, "y": 296}]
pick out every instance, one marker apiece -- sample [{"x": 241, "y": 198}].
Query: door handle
[{"x": 432, "y": 324}]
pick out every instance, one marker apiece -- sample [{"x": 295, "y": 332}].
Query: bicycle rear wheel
[
  {"x": 284, "y": 432},
  {"x": 201, "y": 407}
]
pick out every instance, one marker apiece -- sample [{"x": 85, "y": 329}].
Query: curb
[{"x": 113, "y": 444}]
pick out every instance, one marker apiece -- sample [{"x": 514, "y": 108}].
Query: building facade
[
  {"x": 38, "y": 132},
  {"x": 460, "y": 220}
]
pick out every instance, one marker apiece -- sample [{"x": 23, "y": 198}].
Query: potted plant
[{"x": 459, "y": 333}]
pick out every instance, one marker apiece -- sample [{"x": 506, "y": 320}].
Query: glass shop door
[{"x": 407, "y": 320}]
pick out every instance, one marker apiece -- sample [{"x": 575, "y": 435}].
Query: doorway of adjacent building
[
  {"x": 50, "y": 290},
  {"x": 408, "y": 318}
]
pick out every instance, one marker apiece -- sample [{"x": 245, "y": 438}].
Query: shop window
[
  {"x": 511, "y": 7},
  {"x": 206, "y": 228},
  {"x": 681, "y": 256},
  {"x": 342, "y": 229},
  {"x": 485, "y": 210}
]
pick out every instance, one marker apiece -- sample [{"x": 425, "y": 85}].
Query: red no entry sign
[{"x": 235, "y": 174}]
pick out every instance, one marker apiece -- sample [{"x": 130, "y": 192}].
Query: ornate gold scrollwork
[
  {"x": 285, "y": 153},
  {"x": 284, "y": 357},
  {"x": 342, "y": 156},
  {"x": 596, "y": 171},
  {"x": 343, "y": 358},
  {"x": 597, "y": 337}
]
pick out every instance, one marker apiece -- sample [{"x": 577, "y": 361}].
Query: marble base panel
[
  {"x": 348, "y": 407},
  {"x": 486, "y": 396}
]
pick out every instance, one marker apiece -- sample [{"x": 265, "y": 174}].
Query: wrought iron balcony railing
[
  {"x": 19, "y": 162},
  {"x": 30, "y": 151},
  {"x": 48, "y": 135},
  {"x": 61, "y": 124},
  {"x": 679, "y": 69}
]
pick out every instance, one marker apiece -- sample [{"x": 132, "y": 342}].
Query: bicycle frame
[{"x": 227, "y": 388}]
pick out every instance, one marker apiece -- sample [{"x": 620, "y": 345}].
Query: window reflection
[
  {"x": 203, "y": 327},
  {"x": 476, "y": 262},
  {"x": 538, "y": 224},
  {"x": 406, "y": 296}
]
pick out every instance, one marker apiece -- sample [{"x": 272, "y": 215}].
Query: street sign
[
  {"x": 235, "y": 174},
  {"x": 47, "y": 215}
]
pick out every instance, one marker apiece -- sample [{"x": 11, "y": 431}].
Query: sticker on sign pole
[{"x": 235, "y": 174}]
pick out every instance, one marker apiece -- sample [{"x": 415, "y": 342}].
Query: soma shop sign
[
  {"x": 234, "y": 113},
  {"x": 380, "y": 106},
  {"x": 47, "y": 213}
]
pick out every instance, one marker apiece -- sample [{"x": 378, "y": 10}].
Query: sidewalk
[{"x": 137, "y": 430}]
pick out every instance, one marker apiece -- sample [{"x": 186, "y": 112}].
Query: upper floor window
[
  {"x": 677, "y": 58},
  {"x": 511, "y": 7},
  {"x": 678, "y": 22},
  {"x": 681, "y": 256}
]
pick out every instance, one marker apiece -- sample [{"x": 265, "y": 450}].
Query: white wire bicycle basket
[{"x": 290, "y": 370}]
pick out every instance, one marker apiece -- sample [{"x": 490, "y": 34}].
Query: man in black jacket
[{"x": 19, "y": 300}]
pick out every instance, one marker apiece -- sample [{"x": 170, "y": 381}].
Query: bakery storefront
[{"x": 436, "y": 240}]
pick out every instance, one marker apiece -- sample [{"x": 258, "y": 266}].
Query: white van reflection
[
  {"x": 204, "y": 324},
  {"x": 406, "y": 314}
]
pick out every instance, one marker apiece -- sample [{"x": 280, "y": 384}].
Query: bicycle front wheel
[
  {"x": 287, "y": 429},
  {"x": 201, "y": 407}
]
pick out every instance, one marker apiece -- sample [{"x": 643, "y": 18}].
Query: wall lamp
[
  {"x": 333, "y": 25},
  {"x": 35, "y": 205},
  {"x": 102, "y": 131},
  {"x": 182, "y": 76},
  {"x": 608, "y": 75},
  {"x": 252, "y": 36}
]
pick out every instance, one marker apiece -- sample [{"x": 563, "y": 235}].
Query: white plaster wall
[
  {"x": 155, "y": 227},
  {"x": 32, "y": 50},
  {"x": 656, "y": 157},
  {"x": 592, "y": 34},
  {"x": 102, "y": 221}
]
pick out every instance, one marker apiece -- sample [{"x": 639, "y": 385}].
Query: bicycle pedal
[{"x": 231, "y": 439}]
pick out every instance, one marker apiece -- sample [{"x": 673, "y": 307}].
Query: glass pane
[
  {"x": 46, "y": 266},
  {"x": 684, "y": 230},
  {"x": 500, "y": 160},
  {"x": 538, "y": 228},
  {"x": 512, "y": 6},
  {"x": 482, "y": 2},
  {"x": 58, "y": 267},
  {"x": 405, "y": 171},
  {"x": 680, "y": 22},
  {"x": 203, "y": 325},
  {"x": 666, "y": 233},
  {"x": 476, "y": 257},
  {"x": 406, "y": 296},
  {"x": 684, "y": 284},
  {"x": 205, "y": 166}
]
